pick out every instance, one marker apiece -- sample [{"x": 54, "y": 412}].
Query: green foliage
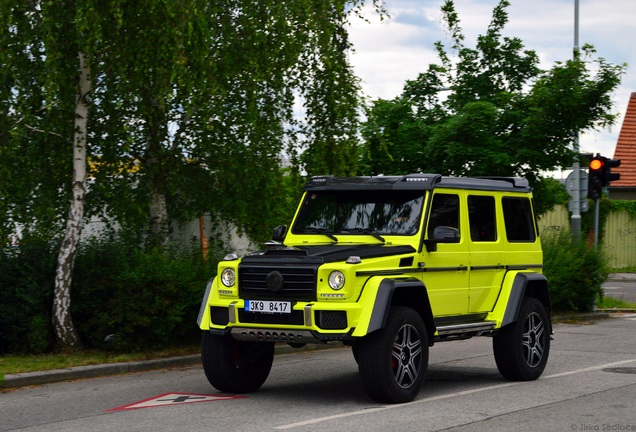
[
  {"x": 575, "y": 272},
  {"x": 628, "y": 206},
  {"x": 144, "y": 298},
  {"x": 203, "y": 115},
  {"x": 26, "y": 289},
  {"x": 548, "y": 192},
  {"x": 501, "y": 115}
]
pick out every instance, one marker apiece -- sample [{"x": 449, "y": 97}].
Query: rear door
[{"x": 486, "y": 248}]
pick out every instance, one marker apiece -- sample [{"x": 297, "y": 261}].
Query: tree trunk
[
  {"x": 62, "y": 321},
  {"x": 155, "y": 160}
]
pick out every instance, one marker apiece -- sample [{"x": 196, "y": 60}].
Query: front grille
[{"x": 299, "y": 282}]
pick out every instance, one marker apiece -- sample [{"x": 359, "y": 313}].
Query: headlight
[
  {"x": 228, "y": 277},
  {"x": 336, "y": 280}
]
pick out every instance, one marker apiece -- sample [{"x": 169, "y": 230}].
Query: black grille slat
[{"x": 299, "y": 281}]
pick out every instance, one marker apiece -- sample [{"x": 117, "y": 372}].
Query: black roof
[{"x": 417, "y": 182}]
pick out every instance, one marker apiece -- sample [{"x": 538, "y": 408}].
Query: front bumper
[{"x": 307, "y": 323}]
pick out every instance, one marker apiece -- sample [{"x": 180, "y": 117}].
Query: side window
[
  {"x": 518, "y": 220},
  {"x": 444, "y": 212},
  {"x": 481, "y": 217}
]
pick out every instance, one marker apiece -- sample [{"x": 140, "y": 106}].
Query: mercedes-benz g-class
[{"x": 387, "y": 265}]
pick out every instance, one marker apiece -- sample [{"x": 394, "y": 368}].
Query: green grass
[
  {"x": 609, "y": 302},
  {"x": 11, "y": 364},
  {"x": 629, "y": 269}
]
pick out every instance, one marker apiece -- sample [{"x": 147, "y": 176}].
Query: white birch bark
[{"x": 62, "y": 321}]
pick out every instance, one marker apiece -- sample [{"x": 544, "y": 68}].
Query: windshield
[{"x": 387, "y": 212}]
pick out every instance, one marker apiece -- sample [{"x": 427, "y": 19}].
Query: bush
[
  {"x": 575, "y": 272},
  {"x": 130, "y": 299},
  {"x": 27, "y": 277},
  {"x": 134, "y": 298}
]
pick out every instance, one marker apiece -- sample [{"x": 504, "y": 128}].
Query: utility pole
[{"x": 576, "y": 166}]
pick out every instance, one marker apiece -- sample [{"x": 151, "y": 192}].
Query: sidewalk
[{"x": 622, "y": 276}]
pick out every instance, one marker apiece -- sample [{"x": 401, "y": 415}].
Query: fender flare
[
  {"x": 526, "y": 284},
  {"x": 204, "y": 311},
  {"x": 407, "y": 292}
]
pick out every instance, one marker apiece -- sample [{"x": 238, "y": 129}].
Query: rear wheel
[
  {"x": 392, "y": 361},
  {"x": 233, "y": 366},
  {"x": 521, "y": 348}
]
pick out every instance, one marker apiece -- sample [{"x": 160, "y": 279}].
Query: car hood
[{"x": 328, "y": 253}]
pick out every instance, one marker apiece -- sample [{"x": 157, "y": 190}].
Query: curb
[
  {"x": 589, "y": 316},
  {"x": 79, "y": 372},
  {"x": 14, "y": 381}
]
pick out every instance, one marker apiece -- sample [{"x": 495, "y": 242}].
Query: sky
[{"x": 388, "y": 52}]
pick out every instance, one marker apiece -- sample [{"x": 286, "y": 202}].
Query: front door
[{"x": 445, "y": 271}]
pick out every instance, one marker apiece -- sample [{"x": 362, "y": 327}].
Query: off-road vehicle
[{"x": 388, "y": 265}]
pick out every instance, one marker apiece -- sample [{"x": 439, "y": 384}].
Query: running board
[{"x": 454, "y": 329}]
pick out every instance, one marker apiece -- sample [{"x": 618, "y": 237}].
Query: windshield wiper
[
  {"x": 364, "y": 231},
  {"x": 321, "y": 231}
]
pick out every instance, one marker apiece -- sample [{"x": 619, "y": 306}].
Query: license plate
[{"x": 268, "y": 306}]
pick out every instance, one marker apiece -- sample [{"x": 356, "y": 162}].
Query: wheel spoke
[
  {"x": 532, "y": 340},
  {"x": 406, "y": 354}
]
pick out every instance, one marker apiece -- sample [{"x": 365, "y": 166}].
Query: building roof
[{"x": 626, "y": 147}]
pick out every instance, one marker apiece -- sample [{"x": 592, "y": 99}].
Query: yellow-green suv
[{"x": 388, "y": 265}]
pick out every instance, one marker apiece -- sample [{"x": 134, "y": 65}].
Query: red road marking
[{"x": 174, "y": 398}]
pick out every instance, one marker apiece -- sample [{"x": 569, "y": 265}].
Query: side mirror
[
  {"x": 442, "y": 234},
  {"x": 278, "y": 233},
  {"x": 446, "y": 234}
]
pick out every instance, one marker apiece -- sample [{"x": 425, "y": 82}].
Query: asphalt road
[
  {"x": 589, "y": 384},
  {"x": 621, "y": 286}
]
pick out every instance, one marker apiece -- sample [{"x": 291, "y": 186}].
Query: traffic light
[
  {"x": 609, "y": 176},
  {"x": 596, "y": 177},
  {"x": 600, "y": 175}
]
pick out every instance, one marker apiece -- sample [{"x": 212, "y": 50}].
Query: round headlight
[
  {"x": 228, "y": 277},
  {"x": 336, "y": 280}
]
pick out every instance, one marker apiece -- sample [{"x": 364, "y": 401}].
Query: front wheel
[
  {"x": 233, "y": 366},
  {"x": 392, "y": 361},
  {"x": 521, "y": 348}
]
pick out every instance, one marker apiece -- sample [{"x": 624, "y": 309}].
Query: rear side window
[
  {"x": 482, "y": 217},
  {"x": 518, "y": 219}
]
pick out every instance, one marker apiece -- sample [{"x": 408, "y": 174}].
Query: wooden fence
[{"x": 619, "y": 242}]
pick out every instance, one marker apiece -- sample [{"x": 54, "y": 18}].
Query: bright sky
[{"x": 390, "y": 52}]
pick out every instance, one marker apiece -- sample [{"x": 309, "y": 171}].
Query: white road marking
[{"x": 445, "y": 396}]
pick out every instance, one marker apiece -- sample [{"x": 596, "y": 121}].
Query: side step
[{"x": 472, "y": 328}]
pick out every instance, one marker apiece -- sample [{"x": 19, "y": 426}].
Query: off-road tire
[
  {"x": 233, "y": 366},
  {"x": 521, "y": 348},
  {"x": 392, "y": 361}
]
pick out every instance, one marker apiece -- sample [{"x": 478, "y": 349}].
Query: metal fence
[{"x": 619, "y": 242}]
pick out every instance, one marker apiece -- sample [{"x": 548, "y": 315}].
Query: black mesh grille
[
  {"x": 220, "y": 315},
  {"x": 331, "y": 320},
  {"x": 299, "y": 282}
]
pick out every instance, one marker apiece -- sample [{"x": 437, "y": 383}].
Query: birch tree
[
  {"x": 181, "y": 108},
  {"x": 62, "y": 320}
]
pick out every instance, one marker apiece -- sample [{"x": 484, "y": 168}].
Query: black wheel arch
[
  {"x": 526, "y": 285},
  {"x": 408, "y": 292}
]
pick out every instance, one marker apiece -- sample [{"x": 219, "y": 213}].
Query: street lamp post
[{"x": 576, "y": 205}]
